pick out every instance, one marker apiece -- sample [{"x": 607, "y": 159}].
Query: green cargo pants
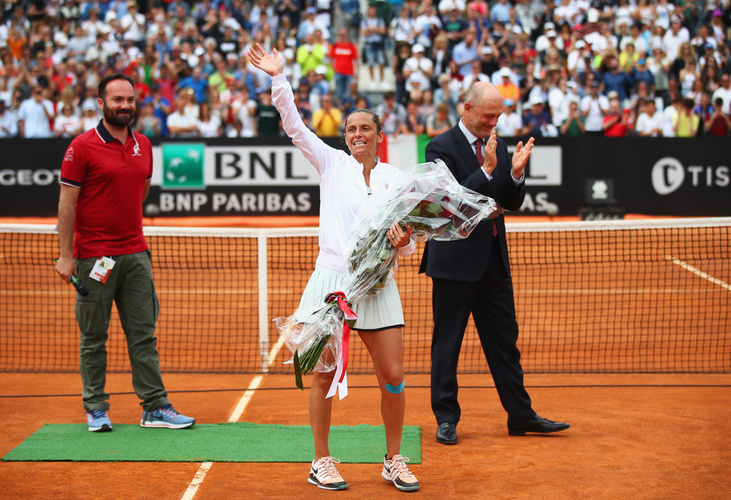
[{"x": 131, "y": 287}]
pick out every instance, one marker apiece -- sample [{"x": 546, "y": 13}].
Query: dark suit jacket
[{"x": 466, "y": 260}]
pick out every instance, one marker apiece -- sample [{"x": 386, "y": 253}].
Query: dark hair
[
  {"x": 376, "y": 119},
  {"x": 109, "y": 78}
]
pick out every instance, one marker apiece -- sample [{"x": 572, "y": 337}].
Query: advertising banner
[{"x": 220, "y": 177}]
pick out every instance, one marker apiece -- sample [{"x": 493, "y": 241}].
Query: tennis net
[{"x": 604, "y": 297}]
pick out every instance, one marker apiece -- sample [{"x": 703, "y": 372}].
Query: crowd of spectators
[{"x": 564, "y": 67}]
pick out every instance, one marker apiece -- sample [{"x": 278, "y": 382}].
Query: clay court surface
[{"x": 647, "y": 436}]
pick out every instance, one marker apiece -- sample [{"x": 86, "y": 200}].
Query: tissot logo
[{"x": 668, "y": 175}]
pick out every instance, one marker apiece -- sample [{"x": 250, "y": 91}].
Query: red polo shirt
[{"x": 111, "y": 177}]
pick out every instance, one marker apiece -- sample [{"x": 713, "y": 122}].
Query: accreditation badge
[{"x": 102, "y": 269}]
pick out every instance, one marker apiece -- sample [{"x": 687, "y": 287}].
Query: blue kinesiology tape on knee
[{"x": 396, "y": 389}]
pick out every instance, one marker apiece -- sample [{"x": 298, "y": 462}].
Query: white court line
[
  {"x": 698, "y": 272},
  {"x": 192, "y": 489},
  {"x": 196, "y": 482}
]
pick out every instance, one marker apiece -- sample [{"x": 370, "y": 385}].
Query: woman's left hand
[{"x": 398, "y": 237}]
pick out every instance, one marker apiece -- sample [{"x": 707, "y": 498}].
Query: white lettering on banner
[
  {"x": 544, "y": 166},
  {"x": 537, "y": 203},
  {"x": 668, "y": 174},
  {"x": 250, "y": 166},
  {"x": 274, "y": 203},
  {"x": 26, "y": 177}
]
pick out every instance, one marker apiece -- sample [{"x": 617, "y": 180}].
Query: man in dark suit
[{"x": 472, "y": 276}]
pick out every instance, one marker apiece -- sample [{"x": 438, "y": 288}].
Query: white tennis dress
[{"x": 343, "y": 194}]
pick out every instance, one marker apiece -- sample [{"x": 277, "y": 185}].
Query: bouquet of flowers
[{"x": 435, "y": 206}]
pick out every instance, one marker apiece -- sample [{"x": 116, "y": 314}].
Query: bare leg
[
  {"x": 320, "y": 412},
  {"x": 386, "y": 349}
]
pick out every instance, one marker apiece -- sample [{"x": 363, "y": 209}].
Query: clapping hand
[
  {"x": 520, "y": 157},
  {"x": 270, "y": 63},
  {"x": 490, "y": 153}
]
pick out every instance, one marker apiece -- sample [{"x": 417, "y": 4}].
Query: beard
[{"x": 119, "y": 118}]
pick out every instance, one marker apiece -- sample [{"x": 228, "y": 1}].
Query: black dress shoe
[
  {"x": 447, "y": 433},
  {"x": 536, "y": 424}
]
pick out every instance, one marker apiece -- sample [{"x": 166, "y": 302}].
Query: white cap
[
  {"x": 551, "y": 33},
  {"x": 536, "y": 99},
  {"x": 580, "y": 44},
  {"x": 486, "y": 49},
  {"x": 321, "y": 70},
  {"x": 417, "y": 48},
  {"x": 592, "y": 16},
  {"x": 505, "y": 71}
]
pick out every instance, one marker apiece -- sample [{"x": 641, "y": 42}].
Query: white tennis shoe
[
  {"x": 325, "y": 475},
  {"x": 396, "y": 471}
]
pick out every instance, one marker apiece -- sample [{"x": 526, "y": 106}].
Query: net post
[{"x": 262, "y": 261}]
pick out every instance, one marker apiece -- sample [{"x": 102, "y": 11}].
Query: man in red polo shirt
[
  {"x": 105, "y": 177},
  {"x": 615, "y": 122}
]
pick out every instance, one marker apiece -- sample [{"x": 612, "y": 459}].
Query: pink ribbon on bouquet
[{"x": 340, "y": 380}]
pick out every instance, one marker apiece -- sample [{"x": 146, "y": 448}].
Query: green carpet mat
[{"x": 239, "y": 442}]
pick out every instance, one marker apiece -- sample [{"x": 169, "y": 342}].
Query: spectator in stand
[
  {"x": 326, "y": 121},
  {"x": 402, "y": 53},
  {"x": 510, "y": 123},
  {"x": 67, "y": 124},
  {"x": 310, "y": 55},
  {"x": 718, "y": 123},
  {"x": 218, "y": 79},
  {"x": 8, "y": 122},
  {"x": 162, "y": 107},
  {"x": 439, "y": 122},
  {"x": 688, "y": 77},
  {"x": 685, "y": 123},
  {"x": 197, "y": 82},
  {"x": 674, "y": 37},
  {"x": 309, "y": 24},
  {"x": 454, "y": 25},
  {"x": 724, "y": 93},
  {"x": 415, "y": 122},
  {"x": 615, "y": 79},
  {"x": 268, "y": 121},
  {"x": 488, "y": 62},
  {"x": 615, "y": 122},
  {"x": 36, "y": 115},
  {"x": 507, "y": 87},
  {"x": 440, "y": 57},
  {"x": 373, "y": 30},
  {"x": 445, "y": 94},
  {"x": 180, "y": 123},
  {"x": 465, "y": 52},
  {"x": 348, "y": 105},
  {"x": 245, "y": 110},
  {"x": 148, "y": 124},
  {"x": 578, "y": 60},
  {"x": 344, "y": 57},
  {"x": 573, "y": 124},
  {"x": 426, "y": 26},
  {"x": 392, "y": 114},
  {"x": 475, "y": 76},
  {"x": 593, "y": 108},
  {"x": 537, "y": 121},
  {"x": 704, "y": 109},
  {"x": 402, "y": 28},
  {"x": 649, "y": 123},
  {"x": 207, "y": 124},
  {"x": 418, "y": 68}
]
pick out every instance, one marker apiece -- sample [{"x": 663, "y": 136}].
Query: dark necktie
[{"x": 481, "y": 160}]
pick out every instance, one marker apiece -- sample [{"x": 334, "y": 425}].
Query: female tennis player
[{"x": 346, "y": 181}]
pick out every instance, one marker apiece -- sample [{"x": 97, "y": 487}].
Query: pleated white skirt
[{"x": 375, "y": 312}]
